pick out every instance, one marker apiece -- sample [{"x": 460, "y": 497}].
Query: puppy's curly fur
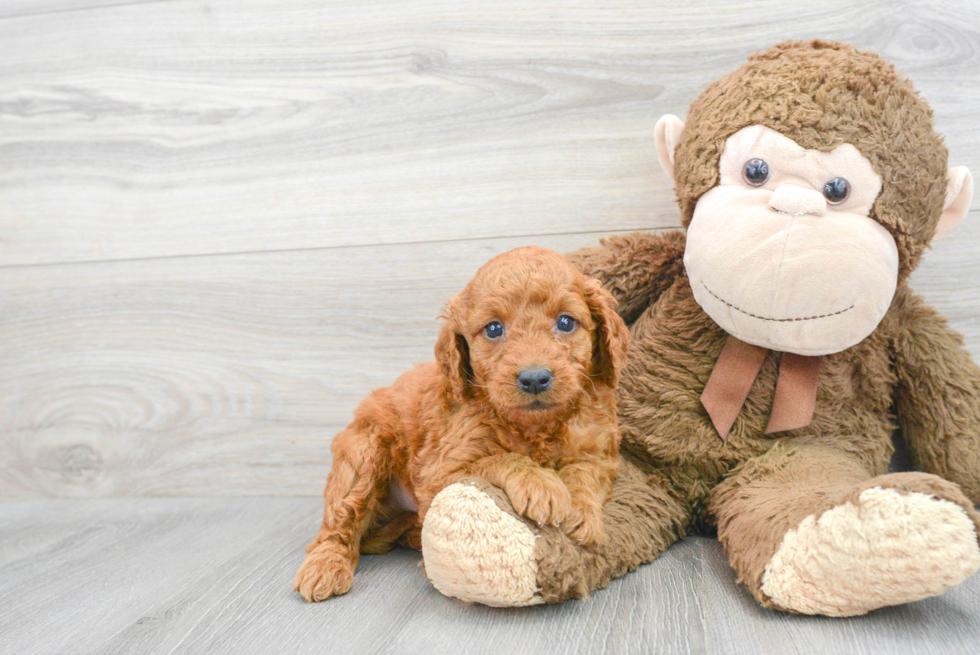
[{"x": 554, "y": 452}]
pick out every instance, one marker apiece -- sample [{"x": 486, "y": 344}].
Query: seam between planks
[
  {"x": 335, "y": 248},
  {"x": 971, "y": 215},
  {"x": 108, "y": 5}
]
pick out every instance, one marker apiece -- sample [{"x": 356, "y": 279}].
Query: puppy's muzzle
[{"x": 534, "y": 380}]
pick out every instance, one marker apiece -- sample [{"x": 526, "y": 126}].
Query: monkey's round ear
[
  {"x": 959, "y": 195},
  {"x": 667, "y": 134}
]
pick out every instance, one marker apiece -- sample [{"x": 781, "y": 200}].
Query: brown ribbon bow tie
[{"x": 736, "y": 370}]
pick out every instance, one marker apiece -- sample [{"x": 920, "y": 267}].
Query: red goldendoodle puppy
[{"x": 521, "y": 394}]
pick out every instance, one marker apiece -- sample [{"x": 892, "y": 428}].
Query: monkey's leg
[
  {"x": 355, "y": 486},
  {"x": 478, "y": 549},
  {"x": 810, "y": 530}
]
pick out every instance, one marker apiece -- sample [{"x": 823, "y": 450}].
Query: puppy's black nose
[{"x": 534, "y": 380}]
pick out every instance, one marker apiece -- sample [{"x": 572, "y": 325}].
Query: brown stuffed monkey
[{"x": 776, "y": 347}]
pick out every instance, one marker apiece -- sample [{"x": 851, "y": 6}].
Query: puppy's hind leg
[
  {"x": 390, "y": 527},
  {"x": 355, "y": 486}
]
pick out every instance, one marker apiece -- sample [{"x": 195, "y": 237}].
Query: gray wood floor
[
  {"x": 222, "y": 222},
  {"x": 214, "y": 576}
]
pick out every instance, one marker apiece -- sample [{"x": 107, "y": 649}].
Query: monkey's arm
[
  {"x": 938, "y": 394},
  {"x": 636, "y": 268}
]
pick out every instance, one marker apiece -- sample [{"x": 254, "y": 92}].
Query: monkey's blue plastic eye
[
  {"x": 565, "y": 323},
  {"x": 756, "y": 172},
  {"x": 836, "y": 190},
  {"x": 493, "y": 330}
]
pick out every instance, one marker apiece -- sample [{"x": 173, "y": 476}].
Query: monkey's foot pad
[
  {"x": 477, "y": 552},
  {"x": 889, "y": 548}
]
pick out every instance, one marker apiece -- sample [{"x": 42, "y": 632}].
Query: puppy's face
[{"x": 531, "y": 334}]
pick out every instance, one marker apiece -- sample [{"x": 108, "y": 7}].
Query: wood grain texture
[
  {"x": 192, "y": 127},
  {"x": 21, "y": 8},
  {"x": 214, "y": 576},
  {"x": 206, "y": 375}
]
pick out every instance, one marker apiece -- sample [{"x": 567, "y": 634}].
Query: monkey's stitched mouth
[{"x": 775, "y": 320}]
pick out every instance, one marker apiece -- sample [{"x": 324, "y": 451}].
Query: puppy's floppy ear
[
  {"x": 612, "y": 338},
  {"x": 452, "y": 351}
]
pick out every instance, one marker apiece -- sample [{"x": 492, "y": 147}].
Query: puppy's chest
[{"x": 544, "y": 450}]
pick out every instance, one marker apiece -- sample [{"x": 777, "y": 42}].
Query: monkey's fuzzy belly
[{"x": 675, "y": 346}]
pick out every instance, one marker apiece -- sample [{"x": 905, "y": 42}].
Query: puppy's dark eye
[
  {"x": 756, "y": 172},
  {"x": 493, "y": 330},
  {"x": 836, "y": 190},
  {"x": 565, "y": 323}
]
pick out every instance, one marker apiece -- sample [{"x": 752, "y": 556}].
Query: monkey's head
[{"x": 811, "y": 180}]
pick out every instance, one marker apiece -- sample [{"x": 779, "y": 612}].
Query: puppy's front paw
[
  {"x": 584, "y": 522},
  {"x": 324, "y": 573},
  {"x": 540, "y": 495}
]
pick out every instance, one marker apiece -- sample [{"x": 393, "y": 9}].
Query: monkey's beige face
[{"x": 783, "y": 254}]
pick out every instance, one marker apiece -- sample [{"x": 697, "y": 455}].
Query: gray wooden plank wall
[{"x": 223, "y": 222}]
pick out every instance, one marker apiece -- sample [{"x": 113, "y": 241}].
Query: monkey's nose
[
  {"x": 534, "y": 380},
  {"x": 797, "y": 200}
]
